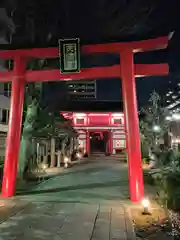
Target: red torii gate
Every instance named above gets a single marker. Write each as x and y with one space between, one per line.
126 70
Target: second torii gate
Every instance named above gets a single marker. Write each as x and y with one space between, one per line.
126 70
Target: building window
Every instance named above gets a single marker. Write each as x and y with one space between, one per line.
4 116
80 121
7 89
117 121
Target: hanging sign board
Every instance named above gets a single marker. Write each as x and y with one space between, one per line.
69 50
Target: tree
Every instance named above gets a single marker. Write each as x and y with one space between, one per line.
153 124
39 114
30 115
37 119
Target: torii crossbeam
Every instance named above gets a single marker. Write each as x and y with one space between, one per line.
127 71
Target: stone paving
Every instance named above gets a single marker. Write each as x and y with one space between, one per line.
83 203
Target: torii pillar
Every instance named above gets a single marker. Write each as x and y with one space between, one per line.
136 184
14 128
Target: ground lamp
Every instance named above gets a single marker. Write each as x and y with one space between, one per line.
66 160
44 166
78 155
146 204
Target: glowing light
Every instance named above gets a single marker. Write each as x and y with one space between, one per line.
145 203
66 160
79 155
176 116
117 114
44 166
168 118
79 115
98 114
156 128
176 140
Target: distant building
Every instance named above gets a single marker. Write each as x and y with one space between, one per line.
6 30
5 90
81 90
99 132
171 101
171 98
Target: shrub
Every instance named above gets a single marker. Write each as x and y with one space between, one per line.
168 186
144 150
145 160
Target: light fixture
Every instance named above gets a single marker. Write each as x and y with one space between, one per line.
117 114
145 203
175 140
78 115
176 116
156 128
79 155
168 118
44 166
66 160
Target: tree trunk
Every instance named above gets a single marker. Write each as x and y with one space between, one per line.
26 150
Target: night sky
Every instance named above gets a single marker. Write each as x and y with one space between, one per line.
103 21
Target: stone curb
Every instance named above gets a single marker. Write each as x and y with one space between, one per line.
131 235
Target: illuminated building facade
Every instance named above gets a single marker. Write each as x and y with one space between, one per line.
171 101
104 123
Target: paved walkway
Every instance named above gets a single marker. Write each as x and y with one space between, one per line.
83 203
